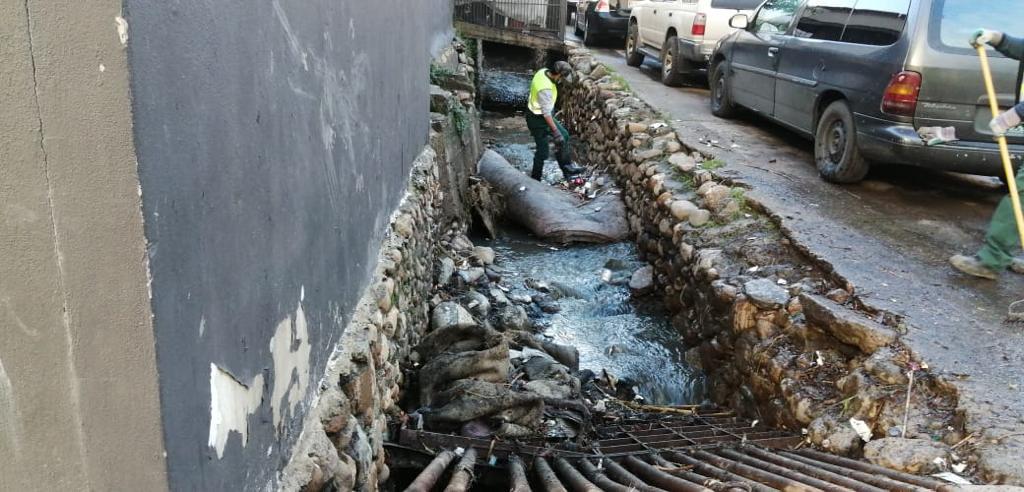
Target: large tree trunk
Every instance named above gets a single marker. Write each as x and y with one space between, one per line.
552 213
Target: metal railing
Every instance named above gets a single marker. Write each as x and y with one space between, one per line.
545 18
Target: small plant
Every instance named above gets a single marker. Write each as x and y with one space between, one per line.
740 196
713 164
438 73
460 118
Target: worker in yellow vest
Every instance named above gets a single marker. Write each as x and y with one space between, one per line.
540 119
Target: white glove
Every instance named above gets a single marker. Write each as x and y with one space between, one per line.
985 36
1004 122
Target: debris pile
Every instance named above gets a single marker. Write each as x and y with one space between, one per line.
481 370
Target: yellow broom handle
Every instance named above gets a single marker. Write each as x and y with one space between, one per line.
1004 150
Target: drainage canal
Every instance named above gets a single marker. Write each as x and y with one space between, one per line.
629 336
546 367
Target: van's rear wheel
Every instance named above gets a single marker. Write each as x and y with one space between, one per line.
588 38
721 101
634 57
835 146
673 66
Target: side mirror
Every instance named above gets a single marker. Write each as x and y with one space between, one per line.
739 21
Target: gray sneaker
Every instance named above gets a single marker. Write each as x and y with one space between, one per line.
971 265
1017 266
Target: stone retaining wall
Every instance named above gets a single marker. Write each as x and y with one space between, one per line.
779 338
341 447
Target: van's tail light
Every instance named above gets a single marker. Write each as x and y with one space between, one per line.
700 24
603 6
900 97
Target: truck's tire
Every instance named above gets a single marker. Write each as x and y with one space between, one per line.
673 66
721 100
836 153
634 57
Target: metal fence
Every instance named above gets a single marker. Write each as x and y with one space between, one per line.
536 17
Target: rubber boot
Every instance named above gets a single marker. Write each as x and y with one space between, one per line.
571 170
1017 266
971 265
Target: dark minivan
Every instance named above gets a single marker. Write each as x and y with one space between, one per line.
862 77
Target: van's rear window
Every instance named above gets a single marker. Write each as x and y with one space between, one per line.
735 4
957 19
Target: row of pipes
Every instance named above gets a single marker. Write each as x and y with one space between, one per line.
741 469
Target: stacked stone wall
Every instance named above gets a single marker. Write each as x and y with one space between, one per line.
780 338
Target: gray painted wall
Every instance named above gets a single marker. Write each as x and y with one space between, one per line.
274 140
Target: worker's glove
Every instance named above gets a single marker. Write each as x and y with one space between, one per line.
1004 122
985 36
559 139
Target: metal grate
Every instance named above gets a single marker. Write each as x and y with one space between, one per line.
535 17
716 452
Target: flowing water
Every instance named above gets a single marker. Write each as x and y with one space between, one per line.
631 338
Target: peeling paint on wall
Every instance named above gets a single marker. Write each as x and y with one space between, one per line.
290 348
9 440
231 404
122 29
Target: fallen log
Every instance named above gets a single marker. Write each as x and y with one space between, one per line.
552 213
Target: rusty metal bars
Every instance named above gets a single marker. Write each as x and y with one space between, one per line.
536 17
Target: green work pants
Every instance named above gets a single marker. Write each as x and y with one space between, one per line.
542 136
1002 243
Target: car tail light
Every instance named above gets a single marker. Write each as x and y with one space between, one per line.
700 23
602 6
900 97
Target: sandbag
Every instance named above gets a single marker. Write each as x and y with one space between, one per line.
469 399
491 365
552 213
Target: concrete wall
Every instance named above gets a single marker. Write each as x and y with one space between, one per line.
78 385
275 139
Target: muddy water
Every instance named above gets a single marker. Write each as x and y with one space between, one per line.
631 338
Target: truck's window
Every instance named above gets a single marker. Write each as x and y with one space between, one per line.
735 4
953 21
824 19
877 22
775 16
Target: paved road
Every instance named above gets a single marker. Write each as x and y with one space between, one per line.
890 237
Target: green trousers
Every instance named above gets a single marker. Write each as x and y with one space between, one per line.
542 137
1002 243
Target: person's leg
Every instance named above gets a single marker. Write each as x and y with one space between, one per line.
1002 243
564 155
541 136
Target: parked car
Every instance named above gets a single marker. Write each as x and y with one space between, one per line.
861 77
598 20
682 34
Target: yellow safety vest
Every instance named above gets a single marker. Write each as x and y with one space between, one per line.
541 82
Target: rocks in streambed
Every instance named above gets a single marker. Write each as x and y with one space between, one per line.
449 314
484 255
642 281
511 318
